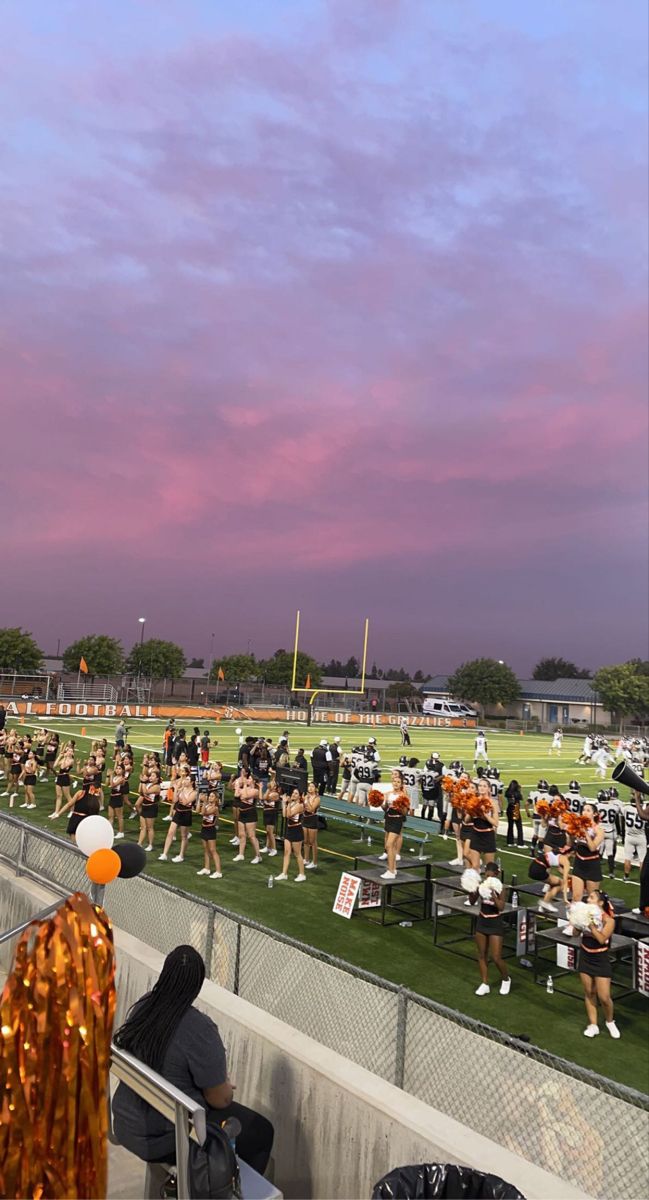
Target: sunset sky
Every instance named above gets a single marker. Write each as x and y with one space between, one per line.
337 304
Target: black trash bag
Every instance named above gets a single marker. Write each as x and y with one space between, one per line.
442 1179
213 1167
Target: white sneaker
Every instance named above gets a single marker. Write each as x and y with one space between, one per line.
455 862
281 877
203 871
613 1029
31 806
272 853
178 858
300 878
238 858
505 987
389 875
254 861
118 835
382 857
445 837
162 858
216 875
133 816
545 906
234 841
591 1031
264 850
398 858
309 866
468 903
25 805
4 793
148 850
483 990
167 818
569 932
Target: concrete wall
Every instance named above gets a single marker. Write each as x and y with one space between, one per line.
338 1127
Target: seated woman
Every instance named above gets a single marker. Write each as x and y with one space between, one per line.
166 1032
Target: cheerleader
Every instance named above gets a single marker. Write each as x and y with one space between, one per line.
595 966
84 803
116 801
554 848
270 805
489 930
394 822
293 835
146 808
17 759
482 840
185 796
28 778
310 826
539 872
62 768
209 826
249 794
587 869
239 784
51 753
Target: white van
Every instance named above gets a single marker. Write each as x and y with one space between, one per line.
448 708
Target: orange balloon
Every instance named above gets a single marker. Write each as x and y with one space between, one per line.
103 866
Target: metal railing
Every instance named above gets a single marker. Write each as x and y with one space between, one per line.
186 1115
540 1106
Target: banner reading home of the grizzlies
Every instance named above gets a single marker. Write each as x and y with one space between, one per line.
220 712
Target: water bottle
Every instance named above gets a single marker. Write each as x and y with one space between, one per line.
549 987
514 900
369 840
271 880
405 924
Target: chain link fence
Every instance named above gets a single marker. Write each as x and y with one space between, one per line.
590 1130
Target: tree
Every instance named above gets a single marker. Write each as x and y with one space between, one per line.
237 668
484 681
351 668
157 659
624 688
196 664
334 668
279 669
558 668
103 655
18 651
401 690
419 677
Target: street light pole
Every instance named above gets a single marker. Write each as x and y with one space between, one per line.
141 621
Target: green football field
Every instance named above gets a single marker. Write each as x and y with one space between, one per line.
404 955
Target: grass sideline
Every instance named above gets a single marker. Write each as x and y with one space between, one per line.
404 956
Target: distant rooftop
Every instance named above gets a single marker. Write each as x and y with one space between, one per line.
577 690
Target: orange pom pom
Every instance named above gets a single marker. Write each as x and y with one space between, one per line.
103 866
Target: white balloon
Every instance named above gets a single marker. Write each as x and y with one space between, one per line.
94 833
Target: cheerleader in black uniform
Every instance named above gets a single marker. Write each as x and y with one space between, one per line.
28 778
18 758
270 804
146 808
249 794
293 835
595 966
116 801
62 768
84 803
185 796
395 818
544 858
587 869
51 753
482 841
209 826
556 841
310 824
489 931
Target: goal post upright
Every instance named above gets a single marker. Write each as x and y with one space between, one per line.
313 692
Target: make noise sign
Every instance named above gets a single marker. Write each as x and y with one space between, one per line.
346 894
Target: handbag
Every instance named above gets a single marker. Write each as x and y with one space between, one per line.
213 1168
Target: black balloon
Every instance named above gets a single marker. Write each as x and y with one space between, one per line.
132 859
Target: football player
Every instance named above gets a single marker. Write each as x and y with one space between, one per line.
433 795
411 780
602 758
480 748
612 822
557 742
495 783
574 797
541 792
635 835
587 751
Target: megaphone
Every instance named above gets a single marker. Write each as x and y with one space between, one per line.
622 773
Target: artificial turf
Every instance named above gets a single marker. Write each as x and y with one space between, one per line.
403 955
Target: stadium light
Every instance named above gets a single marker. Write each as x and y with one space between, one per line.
141 621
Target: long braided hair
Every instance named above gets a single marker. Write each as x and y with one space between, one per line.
151 1021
